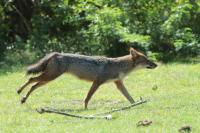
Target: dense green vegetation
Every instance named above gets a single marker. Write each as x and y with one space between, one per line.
174 104
161 28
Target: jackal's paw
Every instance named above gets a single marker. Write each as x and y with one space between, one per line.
86 108
18 91
23 100
132 101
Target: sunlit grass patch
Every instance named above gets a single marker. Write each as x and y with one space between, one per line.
175 102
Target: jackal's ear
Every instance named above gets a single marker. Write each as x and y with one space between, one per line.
133 52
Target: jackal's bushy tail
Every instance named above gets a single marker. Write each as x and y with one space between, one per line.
40 65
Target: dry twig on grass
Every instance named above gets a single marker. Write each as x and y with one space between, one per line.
43 110
141 101
144 123
185 128
94 116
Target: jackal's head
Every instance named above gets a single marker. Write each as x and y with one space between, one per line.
140 60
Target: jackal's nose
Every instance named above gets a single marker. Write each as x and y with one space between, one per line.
152 65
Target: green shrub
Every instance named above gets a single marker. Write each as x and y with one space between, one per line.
164 28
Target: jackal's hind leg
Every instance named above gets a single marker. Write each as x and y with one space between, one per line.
31 80
23 100
42 79
123 90
92 90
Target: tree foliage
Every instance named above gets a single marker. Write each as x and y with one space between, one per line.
32 28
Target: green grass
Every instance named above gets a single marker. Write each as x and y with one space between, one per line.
175 103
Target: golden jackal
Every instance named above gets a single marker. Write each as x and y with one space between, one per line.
92 68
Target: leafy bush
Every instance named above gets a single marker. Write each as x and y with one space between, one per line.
20 57
161 28
178 31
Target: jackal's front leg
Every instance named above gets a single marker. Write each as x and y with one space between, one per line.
123 90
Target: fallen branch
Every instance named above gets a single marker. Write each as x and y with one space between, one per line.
94 116
43 110
123 108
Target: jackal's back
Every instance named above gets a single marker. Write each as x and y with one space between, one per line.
85 67
95 67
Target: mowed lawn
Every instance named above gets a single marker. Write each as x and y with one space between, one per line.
173 91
